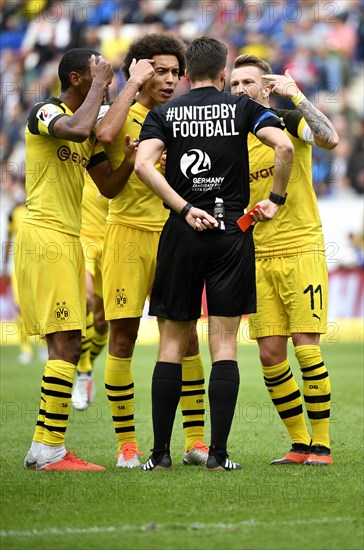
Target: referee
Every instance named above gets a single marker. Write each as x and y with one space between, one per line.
205 134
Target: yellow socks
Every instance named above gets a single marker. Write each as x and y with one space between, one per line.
84 364
119 386
287 399
56 399
39 428
317 392
192 401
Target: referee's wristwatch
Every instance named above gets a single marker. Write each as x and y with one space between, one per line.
277 199
185 210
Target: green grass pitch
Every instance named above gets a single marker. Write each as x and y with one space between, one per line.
260 507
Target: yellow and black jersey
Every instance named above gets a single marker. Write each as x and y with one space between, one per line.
55 169
16 216
94 211
297 226
136 205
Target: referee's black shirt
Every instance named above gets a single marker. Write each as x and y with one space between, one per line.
205 134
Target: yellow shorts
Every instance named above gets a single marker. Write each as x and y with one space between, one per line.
50 272
128 268
92 251
291 296
14 288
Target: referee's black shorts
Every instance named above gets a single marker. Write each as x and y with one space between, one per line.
187 259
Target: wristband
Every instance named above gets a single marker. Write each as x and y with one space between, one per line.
297 99
277 199
185 210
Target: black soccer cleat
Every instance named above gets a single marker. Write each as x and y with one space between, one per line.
151 464
226 464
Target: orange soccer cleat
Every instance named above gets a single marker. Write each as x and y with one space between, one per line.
70 462
297 455
319 456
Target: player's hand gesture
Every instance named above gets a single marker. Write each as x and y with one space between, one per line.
130 149
282 85
266 211
101 71
141 71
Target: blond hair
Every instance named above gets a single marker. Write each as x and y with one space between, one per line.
249 59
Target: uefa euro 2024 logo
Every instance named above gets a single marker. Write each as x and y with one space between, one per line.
195 162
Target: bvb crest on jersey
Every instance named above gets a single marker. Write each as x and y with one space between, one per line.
121 299
62 313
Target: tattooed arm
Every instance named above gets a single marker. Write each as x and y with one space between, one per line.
323 131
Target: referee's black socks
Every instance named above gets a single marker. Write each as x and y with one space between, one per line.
223 393
166 393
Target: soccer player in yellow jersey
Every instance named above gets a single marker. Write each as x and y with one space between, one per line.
94 212
49 263
15 218
135 221
291 270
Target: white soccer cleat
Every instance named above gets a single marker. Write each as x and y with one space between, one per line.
42 354
25 357
30 460
197 455
128 456
84 390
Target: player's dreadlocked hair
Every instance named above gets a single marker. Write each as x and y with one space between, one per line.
78 60
155 44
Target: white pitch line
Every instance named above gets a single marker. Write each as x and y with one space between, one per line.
170 526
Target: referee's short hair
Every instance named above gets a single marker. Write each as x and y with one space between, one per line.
74 60
250 59
205 57
155 44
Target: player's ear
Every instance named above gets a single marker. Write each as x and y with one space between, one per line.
74 78
266 90
223 79
187 77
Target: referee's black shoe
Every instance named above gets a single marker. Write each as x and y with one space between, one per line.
164 463
225 465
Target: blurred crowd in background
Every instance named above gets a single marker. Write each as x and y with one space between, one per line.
320 42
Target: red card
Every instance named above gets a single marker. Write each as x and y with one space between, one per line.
246 221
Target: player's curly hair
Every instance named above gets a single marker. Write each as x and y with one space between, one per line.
76 59
155 44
